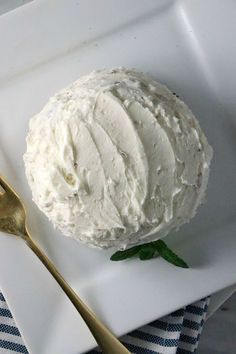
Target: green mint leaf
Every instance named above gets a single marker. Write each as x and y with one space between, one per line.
166 253
146 252
121 255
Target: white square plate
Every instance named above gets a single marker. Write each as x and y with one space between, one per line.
188 45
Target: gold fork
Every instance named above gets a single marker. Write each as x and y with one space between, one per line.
13 221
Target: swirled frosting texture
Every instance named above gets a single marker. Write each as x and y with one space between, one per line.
115 159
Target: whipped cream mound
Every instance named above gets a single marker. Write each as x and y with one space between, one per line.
115 159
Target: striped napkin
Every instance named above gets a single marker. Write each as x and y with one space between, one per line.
177 333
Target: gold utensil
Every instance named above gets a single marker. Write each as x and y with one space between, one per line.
13 221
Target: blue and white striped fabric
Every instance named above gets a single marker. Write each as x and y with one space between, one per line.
177 333
10 338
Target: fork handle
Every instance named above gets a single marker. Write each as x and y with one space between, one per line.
105 339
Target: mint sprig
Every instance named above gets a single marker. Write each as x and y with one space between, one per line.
149 251
166 253
146 252
122 255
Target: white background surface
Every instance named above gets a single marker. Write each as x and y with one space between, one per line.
8 5
45 46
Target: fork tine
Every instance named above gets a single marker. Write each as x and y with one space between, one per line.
8 189
5 185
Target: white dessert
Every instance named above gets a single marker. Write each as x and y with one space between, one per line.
116 159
